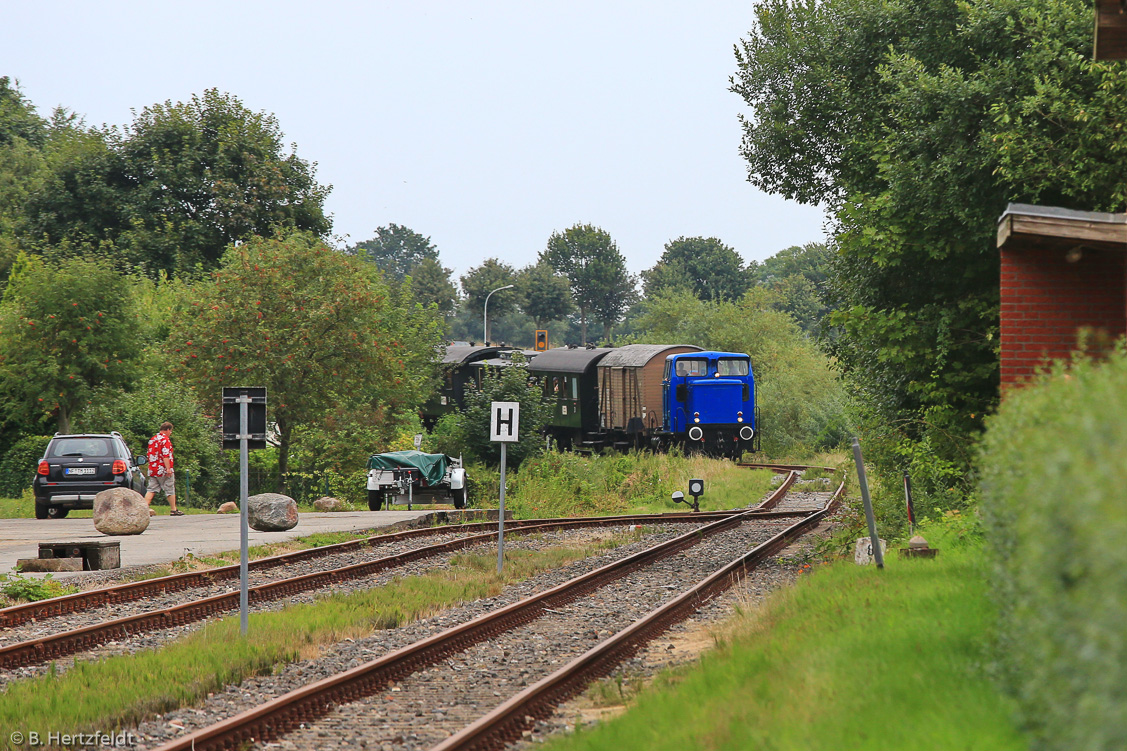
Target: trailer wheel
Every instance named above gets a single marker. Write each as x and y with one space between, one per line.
375 500
459 498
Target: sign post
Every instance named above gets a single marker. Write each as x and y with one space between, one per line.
244 428
504 421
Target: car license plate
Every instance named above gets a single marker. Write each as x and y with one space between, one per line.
80 471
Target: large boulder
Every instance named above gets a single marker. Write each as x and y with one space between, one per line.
120 511
271 512
328 503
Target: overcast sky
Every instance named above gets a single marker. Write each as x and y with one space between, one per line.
485 126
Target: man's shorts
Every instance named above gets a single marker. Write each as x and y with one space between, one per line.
165 484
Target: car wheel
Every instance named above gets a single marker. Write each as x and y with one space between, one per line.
375 500
40 511
56 512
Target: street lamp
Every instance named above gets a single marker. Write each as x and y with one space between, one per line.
485 317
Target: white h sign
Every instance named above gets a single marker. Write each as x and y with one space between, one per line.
504 420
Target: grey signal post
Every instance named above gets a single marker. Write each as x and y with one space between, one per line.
504 424
245 399
874 538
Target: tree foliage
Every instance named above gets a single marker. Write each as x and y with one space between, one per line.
177 186
915 123
431 285
66 329
601 286
479 282
396 250
314 327
799 274
18 118
705 266
544 294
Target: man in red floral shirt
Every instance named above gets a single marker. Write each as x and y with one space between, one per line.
161 476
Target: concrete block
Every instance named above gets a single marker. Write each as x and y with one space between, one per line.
49 564
863 552
94 555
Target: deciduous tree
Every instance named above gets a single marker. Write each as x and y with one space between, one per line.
706 266
66 329
178 185
480 281
431 285
397 250
314 327
601 286
545 295
915 123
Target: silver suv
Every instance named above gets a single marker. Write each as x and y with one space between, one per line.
75 468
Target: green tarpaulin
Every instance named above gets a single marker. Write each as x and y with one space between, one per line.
432 467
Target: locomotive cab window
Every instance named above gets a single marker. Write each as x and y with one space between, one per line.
730 367
692 367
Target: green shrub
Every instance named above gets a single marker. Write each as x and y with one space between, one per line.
1053 470
18 467
138 414
466 432
23 589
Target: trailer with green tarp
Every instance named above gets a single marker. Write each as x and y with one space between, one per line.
415 477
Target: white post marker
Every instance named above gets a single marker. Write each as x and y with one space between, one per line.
504 424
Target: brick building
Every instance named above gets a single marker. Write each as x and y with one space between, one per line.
1062 271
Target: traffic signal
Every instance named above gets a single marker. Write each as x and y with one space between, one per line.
541 340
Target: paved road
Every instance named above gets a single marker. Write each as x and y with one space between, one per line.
169 538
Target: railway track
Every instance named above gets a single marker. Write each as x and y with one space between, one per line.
118 594
423 672
34 645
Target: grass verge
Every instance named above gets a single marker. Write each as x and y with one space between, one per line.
850 658
565 484
119 691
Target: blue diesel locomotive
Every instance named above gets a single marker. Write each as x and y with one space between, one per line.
709 403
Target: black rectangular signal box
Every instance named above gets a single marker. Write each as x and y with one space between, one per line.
256 416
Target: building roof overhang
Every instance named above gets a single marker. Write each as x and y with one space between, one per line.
1027 227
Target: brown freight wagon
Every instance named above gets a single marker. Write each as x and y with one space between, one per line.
630 390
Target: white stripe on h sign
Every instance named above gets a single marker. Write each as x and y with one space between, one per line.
504 420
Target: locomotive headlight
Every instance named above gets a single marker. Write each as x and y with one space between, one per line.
739 419
696 419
